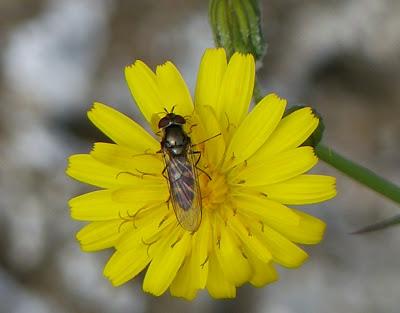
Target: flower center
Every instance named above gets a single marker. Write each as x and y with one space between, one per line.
214 191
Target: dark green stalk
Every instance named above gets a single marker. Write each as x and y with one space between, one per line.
359 173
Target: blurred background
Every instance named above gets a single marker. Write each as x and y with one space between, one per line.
57 57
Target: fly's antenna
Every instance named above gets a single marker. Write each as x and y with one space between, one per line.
168 112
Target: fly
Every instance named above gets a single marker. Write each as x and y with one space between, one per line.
181 171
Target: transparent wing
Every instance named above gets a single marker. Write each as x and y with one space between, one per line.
184 190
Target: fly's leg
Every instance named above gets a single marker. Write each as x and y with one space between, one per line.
199 153
159 133
168 200
163 173
191 128
147 152
199 143
127 173
197 162
140 174
169 188
166 177
188 118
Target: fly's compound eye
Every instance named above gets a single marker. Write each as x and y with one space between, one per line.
164 122
179 120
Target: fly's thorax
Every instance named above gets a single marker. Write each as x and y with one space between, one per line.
175 140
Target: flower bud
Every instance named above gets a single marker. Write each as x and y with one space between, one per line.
236 25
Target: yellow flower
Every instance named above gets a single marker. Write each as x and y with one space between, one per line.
256 166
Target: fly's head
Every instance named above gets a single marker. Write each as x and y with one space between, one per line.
171 119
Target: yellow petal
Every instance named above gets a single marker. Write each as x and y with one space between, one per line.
167 260
100 235
309 231
143 85
86 169
233 262
283 166
125 265
141 194
144 165
173 90
211 71
201 242
254 130
94 206
183 285
100 205
264 210
214 147
192 276
263 272
236 91
291 132
121 129
251 242
217 285
303 189
283 250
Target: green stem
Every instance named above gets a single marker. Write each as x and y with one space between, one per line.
359 173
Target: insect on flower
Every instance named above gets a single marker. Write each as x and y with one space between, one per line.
181 171
242 224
